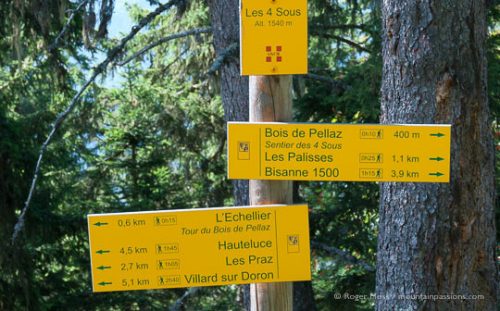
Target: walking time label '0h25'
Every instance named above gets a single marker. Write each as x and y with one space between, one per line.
199 247
332 152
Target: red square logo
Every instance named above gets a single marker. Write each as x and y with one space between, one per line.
278 59
268 48
278 48
268 59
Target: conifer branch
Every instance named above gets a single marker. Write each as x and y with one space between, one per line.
112 55
182 34
177 306
55 43
344 255
219 61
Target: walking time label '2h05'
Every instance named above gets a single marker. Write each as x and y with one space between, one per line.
332 152
199 247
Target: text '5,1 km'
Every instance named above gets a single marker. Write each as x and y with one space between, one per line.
367 152
199 247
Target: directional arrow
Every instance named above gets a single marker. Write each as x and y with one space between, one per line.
437 174
105 283
104 267
436 159
102 251
99 224
437 134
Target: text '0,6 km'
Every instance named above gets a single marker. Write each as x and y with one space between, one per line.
200 247
374 152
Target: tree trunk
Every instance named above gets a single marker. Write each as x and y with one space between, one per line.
438 239
234 88
7 221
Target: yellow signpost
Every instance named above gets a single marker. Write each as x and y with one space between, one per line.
273 37
287 151
200 247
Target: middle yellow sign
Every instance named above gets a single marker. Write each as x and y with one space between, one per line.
354 152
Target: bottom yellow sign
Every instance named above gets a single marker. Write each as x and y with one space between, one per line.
201 247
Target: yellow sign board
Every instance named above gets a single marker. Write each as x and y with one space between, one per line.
273 38
200 247
287 151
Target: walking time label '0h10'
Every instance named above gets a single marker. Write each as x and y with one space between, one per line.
199 247
331 152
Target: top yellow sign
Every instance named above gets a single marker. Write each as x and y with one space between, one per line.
273 37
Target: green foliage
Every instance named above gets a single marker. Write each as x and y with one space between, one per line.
344 215
493 54
158 147
156 141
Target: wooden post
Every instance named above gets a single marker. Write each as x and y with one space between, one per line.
271 101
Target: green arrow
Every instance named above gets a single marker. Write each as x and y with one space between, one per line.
437 134
105 283
100 224
104 267
437 174
436 159
102 251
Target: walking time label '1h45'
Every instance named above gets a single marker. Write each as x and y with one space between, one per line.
199 247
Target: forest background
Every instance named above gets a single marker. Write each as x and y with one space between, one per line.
149 134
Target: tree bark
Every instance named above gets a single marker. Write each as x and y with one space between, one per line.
7 221
234 88
438 239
